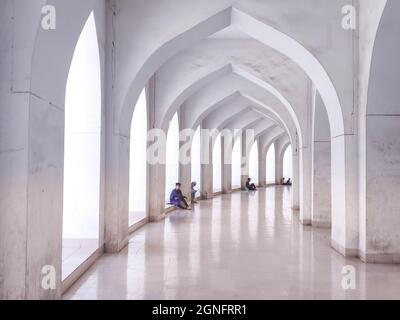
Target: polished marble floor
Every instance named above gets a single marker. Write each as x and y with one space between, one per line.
238 246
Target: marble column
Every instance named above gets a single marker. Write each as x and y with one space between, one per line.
206 186
321 167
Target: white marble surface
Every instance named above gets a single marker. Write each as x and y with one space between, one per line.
238 246
136 216
75 252
321 204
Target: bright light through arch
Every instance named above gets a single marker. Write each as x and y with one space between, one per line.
287 163
195 159
137 162
172 157
216 163
271 164
253 163
236 163
82 143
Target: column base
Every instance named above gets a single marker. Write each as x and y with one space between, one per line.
305 222
384 258
347 252
227 192
115 247
157 217
206 196
321 224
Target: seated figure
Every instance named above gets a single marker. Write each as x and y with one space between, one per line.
250 186
193 192
288 182
177 198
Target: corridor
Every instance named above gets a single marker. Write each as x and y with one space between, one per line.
235 246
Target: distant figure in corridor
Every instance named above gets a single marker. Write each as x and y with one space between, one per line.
250 186
287 183
177 198
193 192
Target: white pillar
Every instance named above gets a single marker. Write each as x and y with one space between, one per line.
262 167
157 192
344 199
305 185
245 160
380 145
278 164
227 146
321 167
206 186
296 179
156 171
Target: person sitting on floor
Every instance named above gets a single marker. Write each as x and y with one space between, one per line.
250 186
193 192
177 198
288 182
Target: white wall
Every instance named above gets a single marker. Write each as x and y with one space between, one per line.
82 139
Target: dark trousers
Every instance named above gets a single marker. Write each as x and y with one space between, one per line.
184 202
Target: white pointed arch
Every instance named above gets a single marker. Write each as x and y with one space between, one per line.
256 29
82 149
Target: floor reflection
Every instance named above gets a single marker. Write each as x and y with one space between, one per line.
239 246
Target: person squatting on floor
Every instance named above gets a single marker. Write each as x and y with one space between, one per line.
286 183
193 192
250 186
178 199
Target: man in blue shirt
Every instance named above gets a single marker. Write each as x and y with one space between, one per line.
177 198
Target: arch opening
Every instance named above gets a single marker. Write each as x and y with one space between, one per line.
138 163
270 163
82 152
196 159
288 46
217 165
236 164
172 157
253 164
287 163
